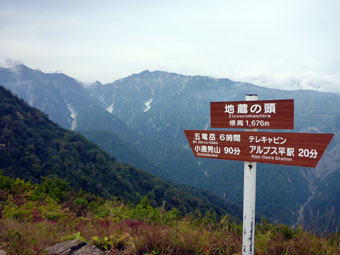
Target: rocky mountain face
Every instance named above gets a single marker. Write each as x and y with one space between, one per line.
69 104
155 107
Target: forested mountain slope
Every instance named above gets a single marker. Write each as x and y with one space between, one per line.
32 147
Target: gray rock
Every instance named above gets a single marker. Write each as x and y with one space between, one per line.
65 248
73 247
2 252
88 250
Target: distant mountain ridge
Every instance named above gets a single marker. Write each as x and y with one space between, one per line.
157 106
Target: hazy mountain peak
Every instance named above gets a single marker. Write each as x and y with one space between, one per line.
19 69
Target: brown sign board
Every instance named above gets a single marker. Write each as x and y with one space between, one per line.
265 114
296 149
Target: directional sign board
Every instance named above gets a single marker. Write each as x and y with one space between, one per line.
267 114
296 149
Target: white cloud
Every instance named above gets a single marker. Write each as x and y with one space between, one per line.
282 43
308 80
12 62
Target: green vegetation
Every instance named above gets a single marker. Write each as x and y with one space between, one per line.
35 216
33 147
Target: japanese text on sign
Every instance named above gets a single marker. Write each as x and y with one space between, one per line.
267 114
255 108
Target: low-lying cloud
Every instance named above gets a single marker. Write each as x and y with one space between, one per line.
305 81
9 62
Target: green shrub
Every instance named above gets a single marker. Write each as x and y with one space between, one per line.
117 241
54 187
13 211
73 236
6 182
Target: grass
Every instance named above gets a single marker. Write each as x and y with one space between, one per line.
33 219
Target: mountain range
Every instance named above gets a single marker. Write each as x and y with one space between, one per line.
33 147
140 120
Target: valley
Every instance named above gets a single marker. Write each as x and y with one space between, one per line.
147 113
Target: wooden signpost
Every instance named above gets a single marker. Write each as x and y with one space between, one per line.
268 114
296 149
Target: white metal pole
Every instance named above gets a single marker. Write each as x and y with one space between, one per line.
249 197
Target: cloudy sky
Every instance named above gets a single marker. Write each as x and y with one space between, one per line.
286 44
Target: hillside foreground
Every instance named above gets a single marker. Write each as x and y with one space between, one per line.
36 216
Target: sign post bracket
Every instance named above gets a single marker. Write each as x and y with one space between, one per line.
249 198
